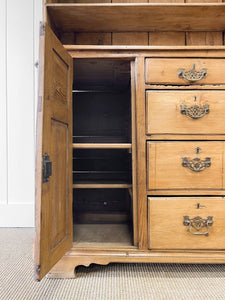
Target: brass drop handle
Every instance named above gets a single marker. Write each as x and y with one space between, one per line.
196 164
198 223
192 75
194 111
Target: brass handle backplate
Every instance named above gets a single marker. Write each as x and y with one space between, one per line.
198 223
196 164
194 111
192 75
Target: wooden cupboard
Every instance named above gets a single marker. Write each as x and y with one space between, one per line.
130 135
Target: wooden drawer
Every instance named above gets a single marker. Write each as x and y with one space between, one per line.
185 112
166 229
167 71
169 165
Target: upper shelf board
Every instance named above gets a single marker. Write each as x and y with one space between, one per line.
138 17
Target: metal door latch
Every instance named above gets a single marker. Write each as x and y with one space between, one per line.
46 168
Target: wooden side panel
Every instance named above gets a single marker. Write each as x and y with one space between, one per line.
130 38
165 165
54 137
164 114
93 38
166 228
134 155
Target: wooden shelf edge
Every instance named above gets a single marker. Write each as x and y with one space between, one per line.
116 17
102 186
144 48
133 4
102 146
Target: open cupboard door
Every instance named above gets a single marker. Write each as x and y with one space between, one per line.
54 154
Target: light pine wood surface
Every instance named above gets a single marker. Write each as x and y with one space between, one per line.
165 71
126 17
165 169
54 136
166 228
157 39
163 109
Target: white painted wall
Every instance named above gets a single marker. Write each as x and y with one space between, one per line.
19 31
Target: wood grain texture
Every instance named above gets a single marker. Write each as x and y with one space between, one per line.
165 71
78 1
197 137
123 21
93 38
167 38
141 154
186 192
86 1
133 191
204 38
54 137
75 257
164 112
67 38
166 229
102 146
204 1
126 17
165 169
130 52
130 38
187 87
166 1
129 1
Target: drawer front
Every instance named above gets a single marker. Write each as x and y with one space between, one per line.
185 165
185 112
168 229
185 71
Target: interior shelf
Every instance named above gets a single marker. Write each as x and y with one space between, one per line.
102 145
102 185
138 17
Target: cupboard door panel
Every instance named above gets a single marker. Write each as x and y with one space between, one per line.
54 138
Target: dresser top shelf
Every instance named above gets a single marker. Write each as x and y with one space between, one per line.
138 17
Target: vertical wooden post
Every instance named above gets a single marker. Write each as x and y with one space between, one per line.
141 153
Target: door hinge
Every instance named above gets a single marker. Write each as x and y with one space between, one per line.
37 269
42 29
46 168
